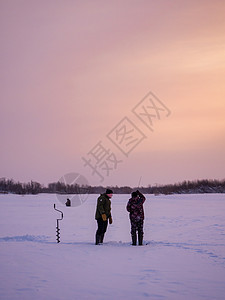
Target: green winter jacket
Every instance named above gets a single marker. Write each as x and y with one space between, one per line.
103 206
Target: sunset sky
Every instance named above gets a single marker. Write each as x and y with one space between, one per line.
71 71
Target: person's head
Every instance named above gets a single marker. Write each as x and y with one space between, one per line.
109 193
134 194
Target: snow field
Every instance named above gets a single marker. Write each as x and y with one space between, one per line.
184 257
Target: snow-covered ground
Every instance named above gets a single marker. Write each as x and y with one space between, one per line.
184 257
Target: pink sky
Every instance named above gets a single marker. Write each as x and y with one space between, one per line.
72 70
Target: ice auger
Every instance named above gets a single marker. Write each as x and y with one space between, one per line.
57 225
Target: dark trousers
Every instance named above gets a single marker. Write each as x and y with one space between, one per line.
102 227
137 226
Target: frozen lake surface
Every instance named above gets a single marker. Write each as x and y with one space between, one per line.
184 257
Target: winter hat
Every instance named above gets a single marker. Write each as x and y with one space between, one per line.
108 191
134 194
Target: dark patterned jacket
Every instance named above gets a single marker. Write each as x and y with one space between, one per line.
135 207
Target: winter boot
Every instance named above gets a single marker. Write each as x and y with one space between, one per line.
140 239
101 238
134 240
97 239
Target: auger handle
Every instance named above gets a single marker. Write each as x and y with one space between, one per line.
60 212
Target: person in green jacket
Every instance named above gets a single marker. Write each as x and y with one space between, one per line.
103 215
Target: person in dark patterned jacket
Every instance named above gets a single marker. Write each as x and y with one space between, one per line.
136 210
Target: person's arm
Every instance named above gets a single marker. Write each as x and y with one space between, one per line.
110 219
101 205
101 208
128 206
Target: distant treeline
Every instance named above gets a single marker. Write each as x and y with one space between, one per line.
185 187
